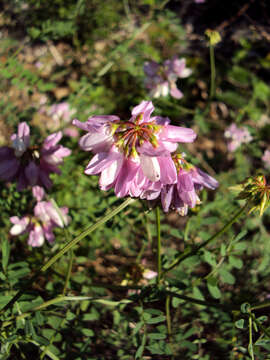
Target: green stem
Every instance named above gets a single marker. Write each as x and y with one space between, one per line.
213 72
158 245
65 249
69 269
168 316
250 346
194 251
260 306
189 299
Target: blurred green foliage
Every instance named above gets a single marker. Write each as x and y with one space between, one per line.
95 51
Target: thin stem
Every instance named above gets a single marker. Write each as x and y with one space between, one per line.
250 346
194 251
260 306
200 302
168 316
65 249
69 269
213 72
158 245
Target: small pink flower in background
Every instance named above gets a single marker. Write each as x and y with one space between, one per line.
61 114
266 159
161 79
31 165
236 136
149 274
40 225
130 154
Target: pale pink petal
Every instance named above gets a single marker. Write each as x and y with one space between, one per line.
96 142
168 174
109 175
175 92
167 197
41 211
47 230
146 108
36 236
52 140
125 177
177 134
20 225
38 192
150 167
101 161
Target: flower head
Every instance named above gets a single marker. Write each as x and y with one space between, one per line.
40 225
183 194
256 191
130 153
236 136
31 165
161 79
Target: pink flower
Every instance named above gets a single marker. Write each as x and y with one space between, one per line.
40 226
31 165
61 113
184 193
38 192
266 159
236 136
161 79
131 153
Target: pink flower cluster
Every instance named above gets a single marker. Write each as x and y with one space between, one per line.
31 165
161 79
134 158
61 114
40 225
236 136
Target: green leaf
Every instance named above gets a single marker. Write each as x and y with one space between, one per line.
223 250
139 352
155 349
235 262
262 342
88 332
226 276
261 91
157 336
5 253
213 288
156 320
240 324
240 236
245 308
209 258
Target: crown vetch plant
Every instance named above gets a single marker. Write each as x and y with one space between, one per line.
161 78
236 136
31 165
131 153
40 225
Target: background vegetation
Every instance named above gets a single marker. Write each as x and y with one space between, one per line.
91 55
